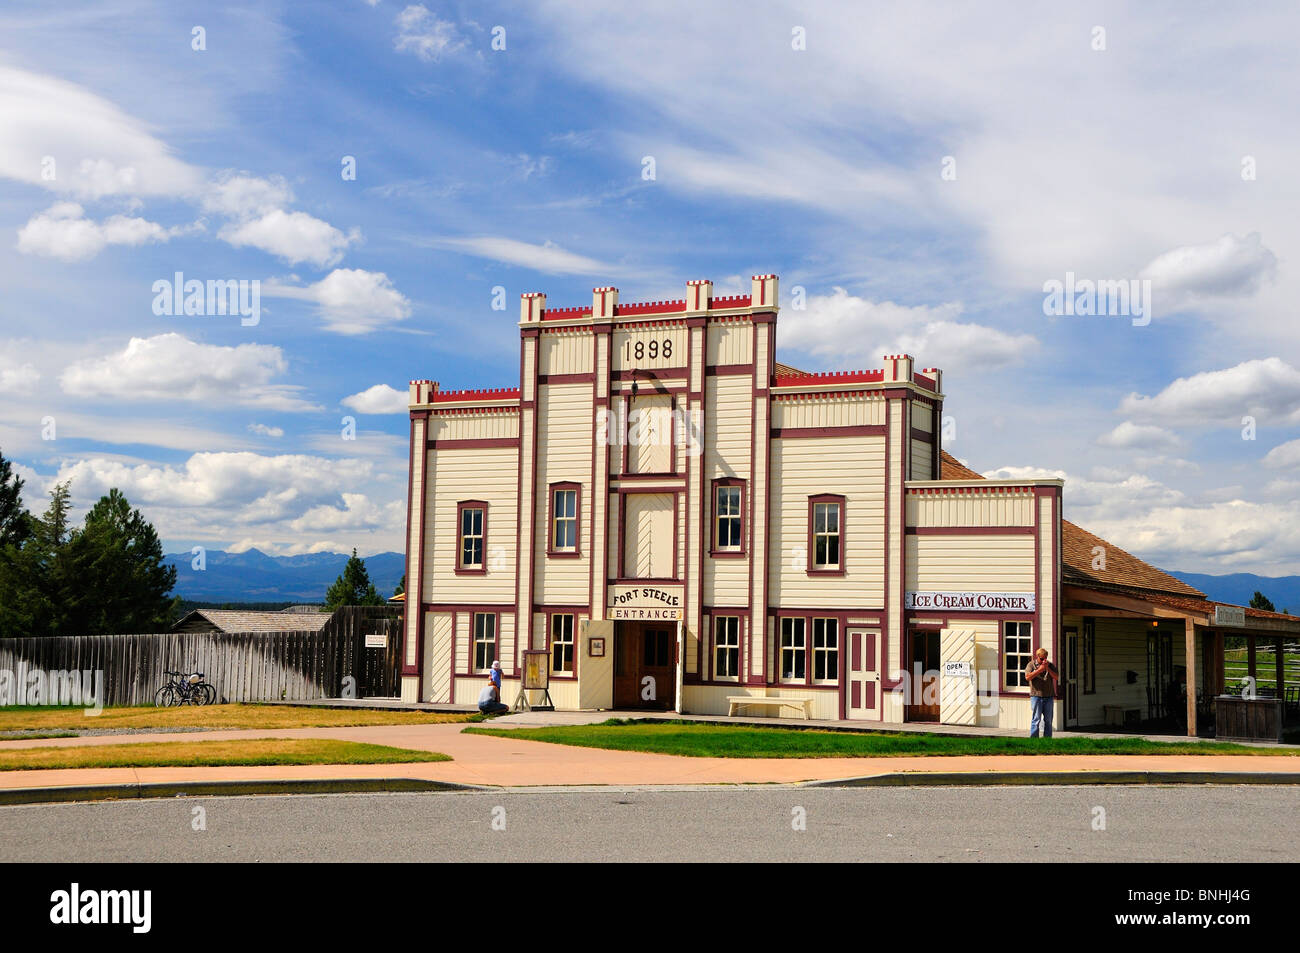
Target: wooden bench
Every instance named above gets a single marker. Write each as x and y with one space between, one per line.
802 703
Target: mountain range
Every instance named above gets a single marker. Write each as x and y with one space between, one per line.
253 576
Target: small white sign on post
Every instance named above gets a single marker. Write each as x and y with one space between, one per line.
376 640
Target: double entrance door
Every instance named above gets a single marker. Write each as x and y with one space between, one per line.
645 665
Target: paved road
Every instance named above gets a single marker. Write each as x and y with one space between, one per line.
1142 823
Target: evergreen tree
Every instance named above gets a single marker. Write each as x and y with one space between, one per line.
15 522
35 579
401 586
1261 601
353 587
119 580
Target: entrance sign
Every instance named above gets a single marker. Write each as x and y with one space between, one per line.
650 603
972 601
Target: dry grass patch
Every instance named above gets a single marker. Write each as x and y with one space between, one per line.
213 716
254 751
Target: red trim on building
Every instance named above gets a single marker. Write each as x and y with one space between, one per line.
460 542
551 490
743 551
862 430
837 498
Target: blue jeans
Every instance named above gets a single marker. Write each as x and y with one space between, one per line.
1041 707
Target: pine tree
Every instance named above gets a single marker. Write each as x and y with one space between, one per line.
1261 601
15 522
401 586
353 587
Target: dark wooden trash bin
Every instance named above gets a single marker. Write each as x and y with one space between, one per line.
1248 719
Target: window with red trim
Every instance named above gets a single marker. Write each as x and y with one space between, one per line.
471 537
563 519
728 517
826 534
726 648
562 627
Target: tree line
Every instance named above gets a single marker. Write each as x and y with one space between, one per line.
106 575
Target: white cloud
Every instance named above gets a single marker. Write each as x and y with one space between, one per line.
1284 456
1230 266
97 149
1129 435
350 300
292 236
547 258
358 512
17 378
170 367
62 231
1267 389
265 430
422 33
379 399
842 329
241 195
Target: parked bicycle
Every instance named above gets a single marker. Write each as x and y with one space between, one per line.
185 688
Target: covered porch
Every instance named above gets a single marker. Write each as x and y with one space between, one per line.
1148 660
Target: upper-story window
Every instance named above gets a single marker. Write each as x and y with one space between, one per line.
728 517
826 534
471 555
563 537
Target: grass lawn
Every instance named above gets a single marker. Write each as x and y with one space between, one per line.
212 716
701 740
212 753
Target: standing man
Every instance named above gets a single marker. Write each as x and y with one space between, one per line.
1041 675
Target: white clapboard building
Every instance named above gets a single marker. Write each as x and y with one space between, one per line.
679 521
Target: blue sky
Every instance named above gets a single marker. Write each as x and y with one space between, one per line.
1163 148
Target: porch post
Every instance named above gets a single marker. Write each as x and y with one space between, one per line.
1189 651
1281 673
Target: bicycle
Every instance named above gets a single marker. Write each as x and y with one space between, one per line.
185 688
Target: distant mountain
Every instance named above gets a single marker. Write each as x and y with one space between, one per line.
253 576
1238 587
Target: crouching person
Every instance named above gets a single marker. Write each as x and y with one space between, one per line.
489 700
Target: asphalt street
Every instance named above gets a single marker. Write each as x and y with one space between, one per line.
1086 823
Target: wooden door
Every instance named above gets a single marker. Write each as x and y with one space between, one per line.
923 675
645 651
864 674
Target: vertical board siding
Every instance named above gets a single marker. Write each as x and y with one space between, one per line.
242 666
486 474
563 456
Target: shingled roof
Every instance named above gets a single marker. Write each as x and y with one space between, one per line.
236 620
1122 570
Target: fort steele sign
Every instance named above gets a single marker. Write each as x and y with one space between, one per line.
653 603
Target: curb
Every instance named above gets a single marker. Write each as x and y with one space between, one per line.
1057 778
119 792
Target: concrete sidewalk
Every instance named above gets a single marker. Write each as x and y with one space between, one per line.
480 760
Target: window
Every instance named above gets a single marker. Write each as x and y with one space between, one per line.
1089 656
564 519
728 517
485 640
726 646
562 643
826 534
1017 652
826 650
472 535
793 650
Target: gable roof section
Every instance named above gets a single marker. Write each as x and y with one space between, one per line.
236 620
1123 569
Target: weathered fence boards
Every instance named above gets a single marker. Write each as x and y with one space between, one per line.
242 666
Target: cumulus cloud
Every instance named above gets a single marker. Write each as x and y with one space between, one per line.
357 512
62 231
241 195
1267 389
841 328
266 431
1231 266
349 300
1284 456
422 33
169 367
380 399
1129 435
293 236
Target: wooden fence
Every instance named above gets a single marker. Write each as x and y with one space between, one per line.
242 666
